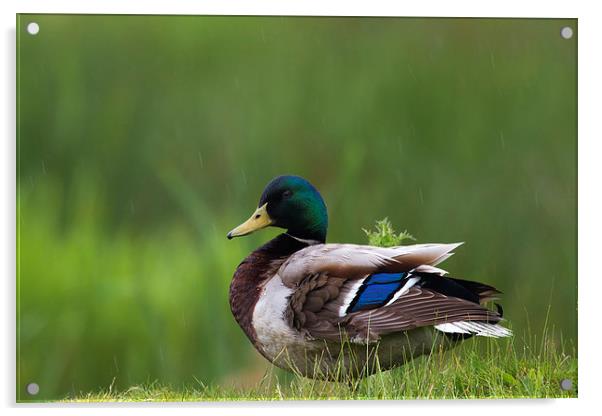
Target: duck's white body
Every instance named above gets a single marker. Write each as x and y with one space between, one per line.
274 333
317 358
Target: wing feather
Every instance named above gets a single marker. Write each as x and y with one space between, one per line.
325 277
356 261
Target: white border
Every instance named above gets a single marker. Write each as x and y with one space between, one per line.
517 8
590 228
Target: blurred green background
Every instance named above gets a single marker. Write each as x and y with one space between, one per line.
142 140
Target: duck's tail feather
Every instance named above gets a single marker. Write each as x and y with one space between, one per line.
485 292
473 291
469 328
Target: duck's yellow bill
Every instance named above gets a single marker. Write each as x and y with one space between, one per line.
260 219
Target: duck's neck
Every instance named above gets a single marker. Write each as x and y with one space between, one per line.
313 229
306 241
255 270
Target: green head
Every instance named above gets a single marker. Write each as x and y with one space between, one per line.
292 203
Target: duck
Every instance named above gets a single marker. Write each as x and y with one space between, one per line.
344 311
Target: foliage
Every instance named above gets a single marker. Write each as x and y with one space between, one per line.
385 236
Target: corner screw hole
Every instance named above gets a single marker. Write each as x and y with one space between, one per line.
33 28
566 32
566 384
33 389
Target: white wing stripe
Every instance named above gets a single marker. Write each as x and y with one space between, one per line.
404 289
425 268
350 296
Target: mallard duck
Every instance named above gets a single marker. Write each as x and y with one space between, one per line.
332 311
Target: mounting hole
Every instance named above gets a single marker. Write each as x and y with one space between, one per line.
33 389
33 28
566 384
566 32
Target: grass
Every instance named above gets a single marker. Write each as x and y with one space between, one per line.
479 368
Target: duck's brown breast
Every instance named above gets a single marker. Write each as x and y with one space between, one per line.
252 274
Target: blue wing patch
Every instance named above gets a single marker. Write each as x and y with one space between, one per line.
376 290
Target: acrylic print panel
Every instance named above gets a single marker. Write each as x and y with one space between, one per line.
143 141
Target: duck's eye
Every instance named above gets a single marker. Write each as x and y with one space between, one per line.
286 194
